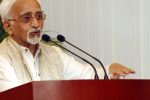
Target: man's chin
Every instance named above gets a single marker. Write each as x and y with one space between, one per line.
33 41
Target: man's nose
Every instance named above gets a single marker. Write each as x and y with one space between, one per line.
35 22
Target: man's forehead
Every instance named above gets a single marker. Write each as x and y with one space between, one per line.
22 3
28 11
22 7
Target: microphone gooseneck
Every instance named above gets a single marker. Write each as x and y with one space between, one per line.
47 38
61 38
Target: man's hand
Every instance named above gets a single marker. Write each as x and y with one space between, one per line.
116 70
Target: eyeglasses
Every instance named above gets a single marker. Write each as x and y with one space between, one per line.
27 17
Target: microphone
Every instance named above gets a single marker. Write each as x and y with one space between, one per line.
61 38
47 38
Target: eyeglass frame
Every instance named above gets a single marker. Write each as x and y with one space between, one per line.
20 18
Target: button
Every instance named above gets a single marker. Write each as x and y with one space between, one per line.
26 50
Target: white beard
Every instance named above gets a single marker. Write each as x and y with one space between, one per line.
33 40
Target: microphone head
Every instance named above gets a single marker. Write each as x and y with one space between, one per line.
61 38
46 38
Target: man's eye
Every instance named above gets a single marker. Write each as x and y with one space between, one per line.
39 16
26 18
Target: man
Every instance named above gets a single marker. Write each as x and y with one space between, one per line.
24 58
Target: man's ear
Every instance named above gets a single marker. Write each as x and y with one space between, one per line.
8 27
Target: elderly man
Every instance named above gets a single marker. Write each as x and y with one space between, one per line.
24 58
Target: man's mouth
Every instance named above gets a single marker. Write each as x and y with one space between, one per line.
35 33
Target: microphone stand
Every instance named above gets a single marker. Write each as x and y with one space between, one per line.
62 39
96 77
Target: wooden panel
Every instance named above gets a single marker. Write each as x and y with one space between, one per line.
93 90
81 90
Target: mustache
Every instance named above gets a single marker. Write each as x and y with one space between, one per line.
34 30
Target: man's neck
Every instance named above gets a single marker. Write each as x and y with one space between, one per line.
33 48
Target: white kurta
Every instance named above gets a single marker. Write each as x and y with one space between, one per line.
71 69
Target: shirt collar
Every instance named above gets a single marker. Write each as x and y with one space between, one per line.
25 49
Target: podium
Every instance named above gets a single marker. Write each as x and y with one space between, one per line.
80 90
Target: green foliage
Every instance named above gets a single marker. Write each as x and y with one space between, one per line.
3 34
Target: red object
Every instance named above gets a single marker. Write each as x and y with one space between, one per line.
80 90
